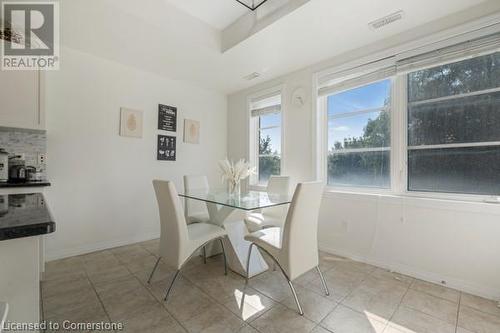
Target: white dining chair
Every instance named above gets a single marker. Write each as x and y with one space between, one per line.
178 240
272 216
195 211
4 310
294 247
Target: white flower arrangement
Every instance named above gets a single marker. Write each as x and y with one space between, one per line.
234 173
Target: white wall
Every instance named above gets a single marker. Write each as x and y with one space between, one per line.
101 193
436 240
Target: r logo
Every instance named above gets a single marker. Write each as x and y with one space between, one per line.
36 27
36 23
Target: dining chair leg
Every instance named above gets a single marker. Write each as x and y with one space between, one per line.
154 270
295 297
197 251
287 279
224 255
205 255
171 285
323 282
248 262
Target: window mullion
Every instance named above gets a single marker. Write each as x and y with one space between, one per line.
359 112
395 131
399 140
360 150
403 96
457 96
456 145
324 139
268 127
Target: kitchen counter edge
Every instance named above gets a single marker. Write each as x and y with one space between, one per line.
26 184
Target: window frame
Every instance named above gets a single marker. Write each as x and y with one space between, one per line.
399 145
253 153
324 118
485 198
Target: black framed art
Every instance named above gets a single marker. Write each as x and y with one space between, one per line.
167 118
167 148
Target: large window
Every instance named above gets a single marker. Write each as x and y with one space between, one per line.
266 136
359 136
415 122
454 127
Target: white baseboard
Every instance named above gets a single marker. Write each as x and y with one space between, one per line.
461 285
89 248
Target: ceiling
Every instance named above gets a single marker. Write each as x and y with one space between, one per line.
217 13
181 39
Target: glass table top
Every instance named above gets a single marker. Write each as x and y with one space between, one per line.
249 200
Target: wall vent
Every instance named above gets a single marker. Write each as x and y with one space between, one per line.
252 76
382 22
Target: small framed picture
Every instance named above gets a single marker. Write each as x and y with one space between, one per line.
191 131
130 123
167 118
167 150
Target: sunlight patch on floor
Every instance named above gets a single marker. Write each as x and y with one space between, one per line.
375 321
249 305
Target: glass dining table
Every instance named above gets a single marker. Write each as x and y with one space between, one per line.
229 211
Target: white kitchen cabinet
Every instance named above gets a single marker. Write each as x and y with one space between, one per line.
41 242
20 279
21 99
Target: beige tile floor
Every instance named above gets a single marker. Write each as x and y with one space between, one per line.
111 286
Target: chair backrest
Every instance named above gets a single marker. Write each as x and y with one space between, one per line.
174 233
278 185
300 233
195 183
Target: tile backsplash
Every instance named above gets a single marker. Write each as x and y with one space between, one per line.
23 141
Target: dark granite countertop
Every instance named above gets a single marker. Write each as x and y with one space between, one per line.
24 215
26 184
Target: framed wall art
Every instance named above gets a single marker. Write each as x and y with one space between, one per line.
167 118
131 123
167 149
191 131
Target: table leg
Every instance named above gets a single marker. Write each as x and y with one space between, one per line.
236 246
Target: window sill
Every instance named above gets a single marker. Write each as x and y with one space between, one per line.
359 190
481 199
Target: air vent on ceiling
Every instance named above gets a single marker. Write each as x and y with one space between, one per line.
377 24
252 76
